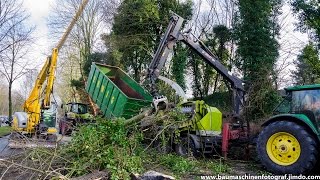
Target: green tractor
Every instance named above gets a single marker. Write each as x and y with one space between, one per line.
75 114
289 141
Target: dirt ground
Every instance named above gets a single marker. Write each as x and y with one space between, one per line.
236 167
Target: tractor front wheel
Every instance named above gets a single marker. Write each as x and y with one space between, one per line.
286 147
63 127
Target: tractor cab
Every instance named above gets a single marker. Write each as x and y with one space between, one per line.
74 110
301 100
75 114
77 108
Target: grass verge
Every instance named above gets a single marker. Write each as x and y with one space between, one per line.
5 130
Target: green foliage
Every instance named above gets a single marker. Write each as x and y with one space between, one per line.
78 84
179 65
308 66
134 32
308 13
184 166
196 64
105 145
204 75
183 8
221 35
263 104
256 31
95 57
113 55
5 130
217 167
177 164
118 148
137 29
221 100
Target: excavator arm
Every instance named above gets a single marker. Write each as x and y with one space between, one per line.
37 99
32 105
173 35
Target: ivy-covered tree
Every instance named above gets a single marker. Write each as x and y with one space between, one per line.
205 78
134 33
309 15
179 64
221 35
308 66
256 32
137 30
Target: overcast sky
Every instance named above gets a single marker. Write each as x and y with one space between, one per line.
291 41
39 11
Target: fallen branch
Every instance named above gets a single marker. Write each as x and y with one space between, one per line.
22 166
138 117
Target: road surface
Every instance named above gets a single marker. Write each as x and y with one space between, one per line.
6 151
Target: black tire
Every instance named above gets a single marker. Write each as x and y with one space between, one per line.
52 138
162 148
308 148
186 147
63 128
60 127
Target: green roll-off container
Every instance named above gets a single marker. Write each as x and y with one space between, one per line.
116 94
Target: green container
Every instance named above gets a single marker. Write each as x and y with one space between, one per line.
116 94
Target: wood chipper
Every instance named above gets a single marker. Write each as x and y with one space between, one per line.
204 131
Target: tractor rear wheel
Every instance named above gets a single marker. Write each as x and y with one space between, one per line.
286 147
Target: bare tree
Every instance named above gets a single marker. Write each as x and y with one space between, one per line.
9 9
212 23
17 99
3 95
15 44
81 43
28 80
109 9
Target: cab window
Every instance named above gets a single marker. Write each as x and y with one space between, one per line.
307 100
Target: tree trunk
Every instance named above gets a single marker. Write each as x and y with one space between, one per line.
216 83
10 101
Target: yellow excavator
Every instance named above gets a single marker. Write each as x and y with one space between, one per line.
36 126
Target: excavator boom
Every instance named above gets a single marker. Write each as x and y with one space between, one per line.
37 105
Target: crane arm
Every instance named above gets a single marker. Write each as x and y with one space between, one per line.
236 83
72 23
54 56
174 35
32 106
166 46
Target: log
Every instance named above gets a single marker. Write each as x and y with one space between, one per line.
139 117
